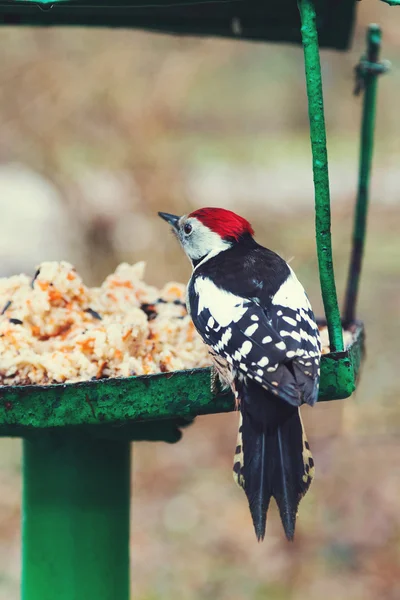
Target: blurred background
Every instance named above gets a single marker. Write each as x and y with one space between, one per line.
100 130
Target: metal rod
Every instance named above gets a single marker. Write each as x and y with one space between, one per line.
368 75
320 169
75 525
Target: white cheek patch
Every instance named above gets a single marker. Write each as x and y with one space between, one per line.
203 242
224 307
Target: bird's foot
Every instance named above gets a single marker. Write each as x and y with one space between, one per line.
218 386
215 383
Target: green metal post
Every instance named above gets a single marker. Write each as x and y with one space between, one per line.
320 169
368 71
75 526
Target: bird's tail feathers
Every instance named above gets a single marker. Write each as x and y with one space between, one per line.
272 458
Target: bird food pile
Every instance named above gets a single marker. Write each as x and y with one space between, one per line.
54 329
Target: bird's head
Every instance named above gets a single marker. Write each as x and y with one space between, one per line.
207 231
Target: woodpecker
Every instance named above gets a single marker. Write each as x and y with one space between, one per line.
255 317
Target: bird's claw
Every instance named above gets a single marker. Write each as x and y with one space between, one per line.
216 387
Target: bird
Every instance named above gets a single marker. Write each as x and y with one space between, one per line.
254 315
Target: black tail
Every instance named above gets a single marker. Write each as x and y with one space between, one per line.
272 458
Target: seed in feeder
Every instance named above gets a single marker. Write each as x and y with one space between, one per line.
142 329
36 275
149 310
6 307
93 313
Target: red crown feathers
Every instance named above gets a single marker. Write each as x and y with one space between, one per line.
225 223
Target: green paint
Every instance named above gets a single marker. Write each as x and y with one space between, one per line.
263 20
369 69
75 523
392 2
320 170
120 408
341 370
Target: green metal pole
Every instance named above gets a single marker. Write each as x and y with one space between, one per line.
320 169
369 77
75 525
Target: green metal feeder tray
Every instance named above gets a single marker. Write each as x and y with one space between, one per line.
114 404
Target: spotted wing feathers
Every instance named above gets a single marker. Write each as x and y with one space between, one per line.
275 346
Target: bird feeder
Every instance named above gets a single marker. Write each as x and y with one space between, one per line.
76 460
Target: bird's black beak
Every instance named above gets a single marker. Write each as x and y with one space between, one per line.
171 219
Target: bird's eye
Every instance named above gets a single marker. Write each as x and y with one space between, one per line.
187 228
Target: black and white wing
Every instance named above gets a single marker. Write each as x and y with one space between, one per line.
275 344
